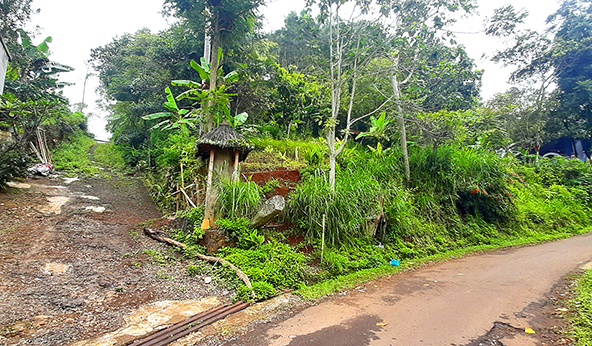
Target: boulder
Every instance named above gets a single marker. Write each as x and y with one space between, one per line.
268 211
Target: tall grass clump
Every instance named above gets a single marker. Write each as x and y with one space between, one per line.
238 198
347 209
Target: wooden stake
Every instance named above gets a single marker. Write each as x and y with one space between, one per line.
323 239
235 171
209 202
188 199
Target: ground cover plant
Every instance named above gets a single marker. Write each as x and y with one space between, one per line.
73 154
580 318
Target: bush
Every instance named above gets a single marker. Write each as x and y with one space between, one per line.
193 232
239 230
347 209
274 263
13 163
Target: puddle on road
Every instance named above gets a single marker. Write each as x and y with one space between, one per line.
57 268
70 180
147 318
96 209
18 185
54 206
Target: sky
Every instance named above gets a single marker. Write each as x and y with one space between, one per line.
78 26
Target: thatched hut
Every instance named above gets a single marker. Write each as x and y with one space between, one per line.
224 148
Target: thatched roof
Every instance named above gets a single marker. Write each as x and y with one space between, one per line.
223 136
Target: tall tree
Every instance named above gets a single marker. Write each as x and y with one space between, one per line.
573 63
225 21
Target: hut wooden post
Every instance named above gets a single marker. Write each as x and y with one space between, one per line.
235 171
209 212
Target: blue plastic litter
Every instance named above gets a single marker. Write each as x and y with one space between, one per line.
394 263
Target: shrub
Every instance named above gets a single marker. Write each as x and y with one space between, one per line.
13 163
239 230
347 209
274 263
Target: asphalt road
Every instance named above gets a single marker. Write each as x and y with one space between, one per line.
450 303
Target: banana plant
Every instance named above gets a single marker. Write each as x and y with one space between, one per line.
175 118
378 127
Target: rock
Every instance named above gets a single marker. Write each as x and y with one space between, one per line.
268 211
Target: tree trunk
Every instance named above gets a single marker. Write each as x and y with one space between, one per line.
213 68
401 120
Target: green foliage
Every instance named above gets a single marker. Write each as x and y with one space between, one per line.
581 305
262 290
237 198
192 232
13 163
239 230
109 155
274 263
358 255
314 157
346 210
72 154
157 257
288 147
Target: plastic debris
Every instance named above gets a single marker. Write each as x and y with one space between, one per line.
381 324
394 262
208 279
528 331
43 169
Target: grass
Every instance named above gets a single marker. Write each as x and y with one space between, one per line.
72 155
288 147
108 155
351 280
581 305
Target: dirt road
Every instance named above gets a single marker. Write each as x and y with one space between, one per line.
451 303
72 265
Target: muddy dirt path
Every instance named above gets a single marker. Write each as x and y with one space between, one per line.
495 295
72 265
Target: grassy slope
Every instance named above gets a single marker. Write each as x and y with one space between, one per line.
581 305
72 155
365 275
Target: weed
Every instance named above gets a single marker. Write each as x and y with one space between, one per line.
109 155
239 230
157 257
161 274
72 155
581 305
